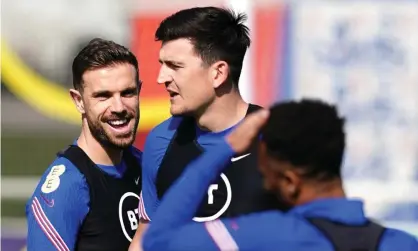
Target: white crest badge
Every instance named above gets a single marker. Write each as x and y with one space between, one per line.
52 180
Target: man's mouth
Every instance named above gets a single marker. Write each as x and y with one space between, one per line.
172 93
118 123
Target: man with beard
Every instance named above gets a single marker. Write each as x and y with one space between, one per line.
88 197
201 62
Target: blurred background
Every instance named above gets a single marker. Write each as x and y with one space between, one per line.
361 55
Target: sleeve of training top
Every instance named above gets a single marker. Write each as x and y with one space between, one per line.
153 153
394 239
171 228
138 156
57 208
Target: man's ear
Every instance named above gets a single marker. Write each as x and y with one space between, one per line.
220 73
78 100
293 184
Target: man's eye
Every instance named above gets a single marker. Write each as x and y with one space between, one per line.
174 66
102 96
129 93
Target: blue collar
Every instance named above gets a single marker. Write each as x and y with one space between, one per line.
337 209
116 171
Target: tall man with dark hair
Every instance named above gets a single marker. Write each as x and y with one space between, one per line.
88 197
201 58
300 155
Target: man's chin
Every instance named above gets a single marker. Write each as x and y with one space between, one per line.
179 111
175 112
124 143
121 142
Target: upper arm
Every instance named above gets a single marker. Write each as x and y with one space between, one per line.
154 150
399 240
245 232
57 208
189 237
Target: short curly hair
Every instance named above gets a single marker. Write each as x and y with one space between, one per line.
309 134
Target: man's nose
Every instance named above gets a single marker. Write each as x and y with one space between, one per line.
163 76
117 105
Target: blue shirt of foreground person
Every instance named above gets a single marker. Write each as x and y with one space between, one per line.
300 156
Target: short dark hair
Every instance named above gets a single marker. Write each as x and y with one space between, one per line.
216 33
99 53
309 134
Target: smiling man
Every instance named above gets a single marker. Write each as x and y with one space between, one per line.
201 58
88 197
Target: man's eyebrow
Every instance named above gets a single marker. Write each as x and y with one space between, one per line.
131 89
170 62
101 93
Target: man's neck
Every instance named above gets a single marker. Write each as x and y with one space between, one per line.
223 113
323 190
98 153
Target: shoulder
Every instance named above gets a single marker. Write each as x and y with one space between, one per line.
156 144
264 223
163 132
60 175
61 186
167 127
269 228
136 153
401 239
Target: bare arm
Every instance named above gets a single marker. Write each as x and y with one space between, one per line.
136 244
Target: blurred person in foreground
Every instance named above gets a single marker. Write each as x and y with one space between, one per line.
300 155
88 197
201 58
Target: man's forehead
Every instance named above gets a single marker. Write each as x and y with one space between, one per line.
108 78
177 50
116 70
93 89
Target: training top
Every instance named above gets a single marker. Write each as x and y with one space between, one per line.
175 143
172 229
70 198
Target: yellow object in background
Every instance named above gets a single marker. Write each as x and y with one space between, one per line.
54 101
